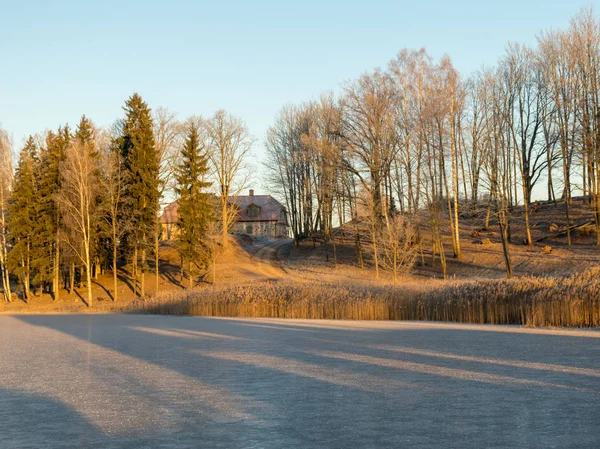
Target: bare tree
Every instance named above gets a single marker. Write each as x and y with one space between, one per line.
455 102
498 170
322 142
584 51
6 176
369 143
560 76
77 199
291 164
400 246
229 142
112 179
167 132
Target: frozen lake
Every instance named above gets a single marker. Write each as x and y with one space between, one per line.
126 381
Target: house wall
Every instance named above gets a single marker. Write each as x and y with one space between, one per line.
170 231
270 229
260 228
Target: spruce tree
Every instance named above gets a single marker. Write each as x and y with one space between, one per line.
23 217
48 257
141 164
194 209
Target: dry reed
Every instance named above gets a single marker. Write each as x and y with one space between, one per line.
530 301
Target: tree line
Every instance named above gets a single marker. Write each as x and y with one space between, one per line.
79 202
402 147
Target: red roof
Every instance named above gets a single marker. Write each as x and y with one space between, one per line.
269 208
170 214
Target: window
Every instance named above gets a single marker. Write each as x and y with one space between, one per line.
253 210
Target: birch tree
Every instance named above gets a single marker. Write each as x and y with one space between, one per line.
113 182
78 196
6 179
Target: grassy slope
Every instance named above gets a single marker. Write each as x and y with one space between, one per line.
249 264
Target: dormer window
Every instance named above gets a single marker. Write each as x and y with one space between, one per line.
253 211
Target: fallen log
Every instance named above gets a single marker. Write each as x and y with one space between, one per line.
564 232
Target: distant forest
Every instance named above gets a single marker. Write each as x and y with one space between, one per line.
399 151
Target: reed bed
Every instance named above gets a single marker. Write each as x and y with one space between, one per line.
529 301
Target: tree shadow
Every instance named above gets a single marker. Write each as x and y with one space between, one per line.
168 271
107 291
125 279
328 375
22 411
81 297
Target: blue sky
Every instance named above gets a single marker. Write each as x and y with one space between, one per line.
59 60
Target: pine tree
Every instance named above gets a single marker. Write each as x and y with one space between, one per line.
23 217
141 165
194 209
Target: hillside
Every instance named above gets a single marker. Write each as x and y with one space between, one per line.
250 260
482 248
244 261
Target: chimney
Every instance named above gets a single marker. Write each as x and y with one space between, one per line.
251 192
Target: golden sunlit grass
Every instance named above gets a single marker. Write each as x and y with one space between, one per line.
531 301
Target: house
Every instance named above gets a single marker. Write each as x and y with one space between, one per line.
260 215
168 221
257 215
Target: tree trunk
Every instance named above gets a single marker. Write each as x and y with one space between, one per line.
156 259
3 249
442 255
26 281
88 275
72 278
395 262
597 204
528 239
334 252
224 218
505 247
181 274
134 270
374 243
114 268
214 265
453 222
56 273
567 198
143 274
28 272
453 148
526 195
551 196
359 258
3 264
